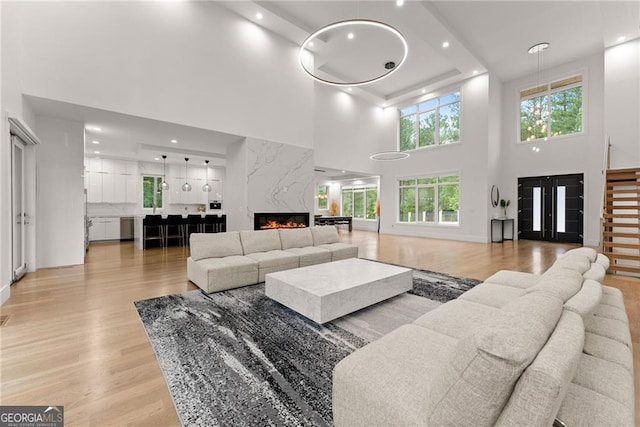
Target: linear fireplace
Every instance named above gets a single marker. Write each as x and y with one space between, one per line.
267 220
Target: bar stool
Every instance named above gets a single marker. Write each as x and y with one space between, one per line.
211 224
152 230
193 224
173 229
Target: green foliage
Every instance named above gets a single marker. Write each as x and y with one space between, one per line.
407 133
323 199
566 111
504 203
347 203
152 192
437 121
372 198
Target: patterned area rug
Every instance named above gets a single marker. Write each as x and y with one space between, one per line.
239 358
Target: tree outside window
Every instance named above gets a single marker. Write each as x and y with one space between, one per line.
551 110
322 196
432 122
359 202
152 192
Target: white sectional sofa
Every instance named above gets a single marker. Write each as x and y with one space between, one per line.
519 349
229 260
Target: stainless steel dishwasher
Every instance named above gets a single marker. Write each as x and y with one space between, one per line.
126 228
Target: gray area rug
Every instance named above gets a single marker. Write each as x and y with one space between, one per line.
237 358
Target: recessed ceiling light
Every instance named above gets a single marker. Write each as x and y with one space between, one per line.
475 72
95 142
445 44
156 158
94 128
349 89
621 39
310 44
343 171
174 141
399 3
424 91
96 152
259 15
350 36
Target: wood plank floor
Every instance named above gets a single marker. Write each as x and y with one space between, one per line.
74 338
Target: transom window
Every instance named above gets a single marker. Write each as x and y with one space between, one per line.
432 122
433 199
152 192
551 110
359 202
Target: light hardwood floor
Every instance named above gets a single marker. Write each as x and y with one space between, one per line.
73 336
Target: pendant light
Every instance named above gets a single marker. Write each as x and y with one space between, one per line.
165 185
186 186
206 187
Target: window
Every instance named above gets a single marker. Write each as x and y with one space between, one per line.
429 200
152 192
322 196
359 202
551 110
432 122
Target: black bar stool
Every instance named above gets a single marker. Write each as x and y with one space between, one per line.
152 230
173 229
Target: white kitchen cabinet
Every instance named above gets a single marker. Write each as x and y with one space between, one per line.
94 189
131 188
108 188
104 228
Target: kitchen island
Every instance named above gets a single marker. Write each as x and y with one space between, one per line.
165 230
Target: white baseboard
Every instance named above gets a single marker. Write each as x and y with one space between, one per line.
5 293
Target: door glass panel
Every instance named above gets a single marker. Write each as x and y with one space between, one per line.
18 216
561 209
537 208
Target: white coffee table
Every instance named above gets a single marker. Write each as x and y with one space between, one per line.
324 292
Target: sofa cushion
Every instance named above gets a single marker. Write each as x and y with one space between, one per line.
610 328
603 260
377 385
611 312
457 318
473 385
219 274
586 407
492 294
295 237
596 272
560 282
514 278
575 262
608 349
538 393
340 250
311 255
260 241
590 253
214 245
272 258
324 234
607 378
586 300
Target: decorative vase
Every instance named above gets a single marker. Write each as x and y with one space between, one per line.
504 212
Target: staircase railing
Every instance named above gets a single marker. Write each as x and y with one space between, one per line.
606 165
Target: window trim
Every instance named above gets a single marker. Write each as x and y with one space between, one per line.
436 198
549 81
435 96
161 208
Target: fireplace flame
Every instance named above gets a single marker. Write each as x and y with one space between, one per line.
278 224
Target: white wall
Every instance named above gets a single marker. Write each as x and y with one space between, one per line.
192 63
60 195
580 153
622 103
347 130
469 158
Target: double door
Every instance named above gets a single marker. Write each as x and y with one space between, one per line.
551 208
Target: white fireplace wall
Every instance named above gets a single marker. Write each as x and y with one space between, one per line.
273 177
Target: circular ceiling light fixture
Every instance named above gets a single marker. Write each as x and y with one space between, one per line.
539 47
350 26
389 155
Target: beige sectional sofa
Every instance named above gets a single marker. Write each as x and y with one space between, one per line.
519 349
229 260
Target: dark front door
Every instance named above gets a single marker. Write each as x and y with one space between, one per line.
551 208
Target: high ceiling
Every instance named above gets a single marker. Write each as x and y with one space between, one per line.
481 36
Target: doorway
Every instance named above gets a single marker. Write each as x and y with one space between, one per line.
18 215
551 208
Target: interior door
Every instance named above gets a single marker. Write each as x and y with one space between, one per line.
19 216
551 208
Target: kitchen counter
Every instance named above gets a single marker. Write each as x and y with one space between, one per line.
138 223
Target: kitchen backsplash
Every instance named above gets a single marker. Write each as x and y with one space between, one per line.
126 209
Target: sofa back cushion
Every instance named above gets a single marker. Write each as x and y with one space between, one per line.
603 260
575 262
475 384
560 282
260 241
324 234
584 303
214 245
295 237
587 252
596 272
537 396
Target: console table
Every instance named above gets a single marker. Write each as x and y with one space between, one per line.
501 221
334 220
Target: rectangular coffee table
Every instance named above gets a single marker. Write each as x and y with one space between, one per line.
324 292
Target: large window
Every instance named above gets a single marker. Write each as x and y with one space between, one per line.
359 202
434 199
432 122
152 192
322 196
551 110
